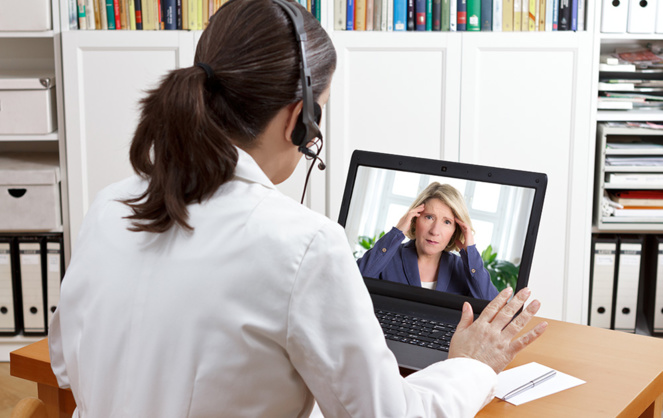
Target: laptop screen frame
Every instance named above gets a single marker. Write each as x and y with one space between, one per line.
472 172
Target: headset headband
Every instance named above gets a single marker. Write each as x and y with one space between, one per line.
306 128
308 116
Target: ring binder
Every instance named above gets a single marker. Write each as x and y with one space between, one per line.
32 285
628 281
602 278
9 320
54 268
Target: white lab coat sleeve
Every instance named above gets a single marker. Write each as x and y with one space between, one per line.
336 344
457 387
57 336
56 351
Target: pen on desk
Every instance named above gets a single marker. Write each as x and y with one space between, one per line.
530 385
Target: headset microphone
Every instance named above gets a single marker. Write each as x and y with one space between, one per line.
312 155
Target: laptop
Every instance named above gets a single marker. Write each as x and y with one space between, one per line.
505 207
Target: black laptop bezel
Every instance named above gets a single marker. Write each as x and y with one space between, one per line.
532 180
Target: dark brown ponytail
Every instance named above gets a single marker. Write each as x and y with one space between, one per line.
184 141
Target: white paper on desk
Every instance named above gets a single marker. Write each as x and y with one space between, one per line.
511 379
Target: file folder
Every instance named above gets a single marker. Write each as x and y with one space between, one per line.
614 15
641 16
602 279
653 285
8 292
54 269
628 282
32 285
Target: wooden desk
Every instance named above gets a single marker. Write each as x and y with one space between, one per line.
33 362
624 374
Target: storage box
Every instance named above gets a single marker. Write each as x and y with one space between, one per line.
25 15
30 192
27 104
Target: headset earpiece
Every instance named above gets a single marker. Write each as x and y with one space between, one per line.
301 132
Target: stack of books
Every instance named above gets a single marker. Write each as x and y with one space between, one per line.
639 203
631 81
459 15
150 14
634 179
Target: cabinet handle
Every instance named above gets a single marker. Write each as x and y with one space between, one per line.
17 192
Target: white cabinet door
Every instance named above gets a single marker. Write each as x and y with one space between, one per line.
525 104
394 93
106 73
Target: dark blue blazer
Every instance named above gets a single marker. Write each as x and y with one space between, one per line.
463 275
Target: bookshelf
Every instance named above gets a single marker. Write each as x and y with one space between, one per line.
37 52
609 129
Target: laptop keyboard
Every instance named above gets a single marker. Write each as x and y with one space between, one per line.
416 331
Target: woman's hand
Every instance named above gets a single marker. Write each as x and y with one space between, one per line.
467 233
406 220
489 338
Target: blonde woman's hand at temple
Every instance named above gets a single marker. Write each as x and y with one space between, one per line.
405 222
467 234
490 339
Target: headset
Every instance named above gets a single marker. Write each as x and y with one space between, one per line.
307 127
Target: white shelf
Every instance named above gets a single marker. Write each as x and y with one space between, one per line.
58 229
629 115
630 186
618 130
9 344
634 169
631 36
624 228
17 34
649 151
36 51
624 224
53 136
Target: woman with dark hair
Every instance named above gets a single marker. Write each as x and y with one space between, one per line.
196 289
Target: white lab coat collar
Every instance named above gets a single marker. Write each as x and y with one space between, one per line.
248 169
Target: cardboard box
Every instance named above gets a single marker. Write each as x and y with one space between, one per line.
25 15
27 104
30 192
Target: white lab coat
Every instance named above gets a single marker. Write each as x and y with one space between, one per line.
255 313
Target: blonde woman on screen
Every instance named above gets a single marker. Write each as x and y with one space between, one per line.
438 225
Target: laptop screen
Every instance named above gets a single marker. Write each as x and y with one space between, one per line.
504 207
